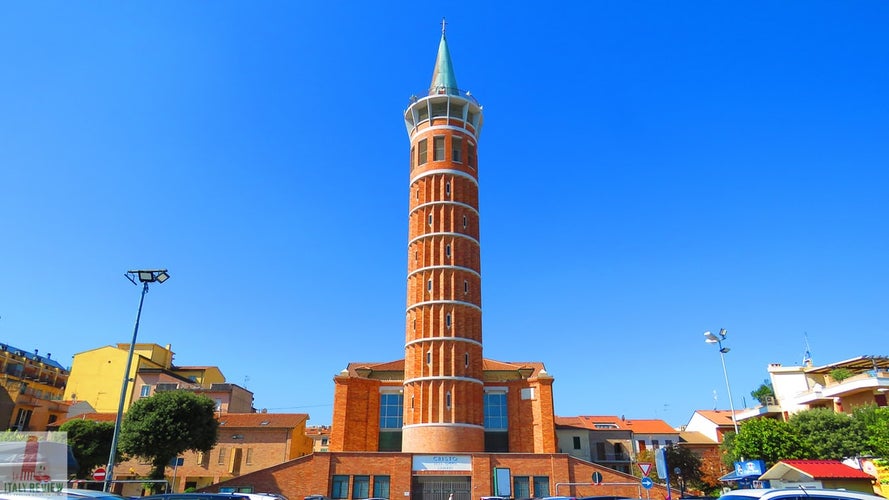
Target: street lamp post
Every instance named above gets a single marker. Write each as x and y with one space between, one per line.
713 339
145 276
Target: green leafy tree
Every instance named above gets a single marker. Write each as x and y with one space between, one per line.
827 435
764 439
162 426
763 391
875 420
689 465
840 374
90 442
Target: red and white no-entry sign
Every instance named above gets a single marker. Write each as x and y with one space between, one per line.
99 474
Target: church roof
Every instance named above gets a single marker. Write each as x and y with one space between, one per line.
444 81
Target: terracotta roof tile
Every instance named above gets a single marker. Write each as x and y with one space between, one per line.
718 417
270 420
96 417
827 469
651 426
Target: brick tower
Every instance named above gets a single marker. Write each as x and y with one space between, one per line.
443 381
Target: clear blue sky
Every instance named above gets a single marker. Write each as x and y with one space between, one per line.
648 171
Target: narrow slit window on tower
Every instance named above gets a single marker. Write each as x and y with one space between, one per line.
464 222
429 285
413 164
448 188
412 402
438 148
416 256
448 250
448 400
457 149
465 286
448 320
428 357
422 156
466 360
430 219
415 325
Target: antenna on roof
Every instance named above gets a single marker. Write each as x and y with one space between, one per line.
443 24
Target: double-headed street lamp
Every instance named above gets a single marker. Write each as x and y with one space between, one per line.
713 339
145 276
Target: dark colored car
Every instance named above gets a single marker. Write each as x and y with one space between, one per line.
196 496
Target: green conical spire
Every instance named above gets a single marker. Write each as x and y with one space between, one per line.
443 78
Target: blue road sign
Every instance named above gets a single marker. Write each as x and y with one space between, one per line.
647 483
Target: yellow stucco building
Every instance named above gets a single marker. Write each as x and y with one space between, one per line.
96 375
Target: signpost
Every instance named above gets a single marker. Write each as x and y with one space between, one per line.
99 474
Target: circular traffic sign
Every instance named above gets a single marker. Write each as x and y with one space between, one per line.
647 483
597 477
99 474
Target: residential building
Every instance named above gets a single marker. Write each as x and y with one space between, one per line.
840 386
31 390
698 443
97 375
652 434
444 422
713 424
320 436
247 442
606 440
612 441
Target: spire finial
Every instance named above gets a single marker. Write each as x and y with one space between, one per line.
443 80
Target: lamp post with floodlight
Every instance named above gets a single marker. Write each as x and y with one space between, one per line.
145 276
713 339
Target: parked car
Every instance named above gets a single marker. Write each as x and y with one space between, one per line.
796 494
197 496
65 494
263 496
605 497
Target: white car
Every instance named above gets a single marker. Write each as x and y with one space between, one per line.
796 494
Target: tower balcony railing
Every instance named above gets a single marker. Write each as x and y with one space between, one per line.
436 91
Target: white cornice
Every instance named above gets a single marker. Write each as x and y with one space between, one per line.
451 339
459 235
439 302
